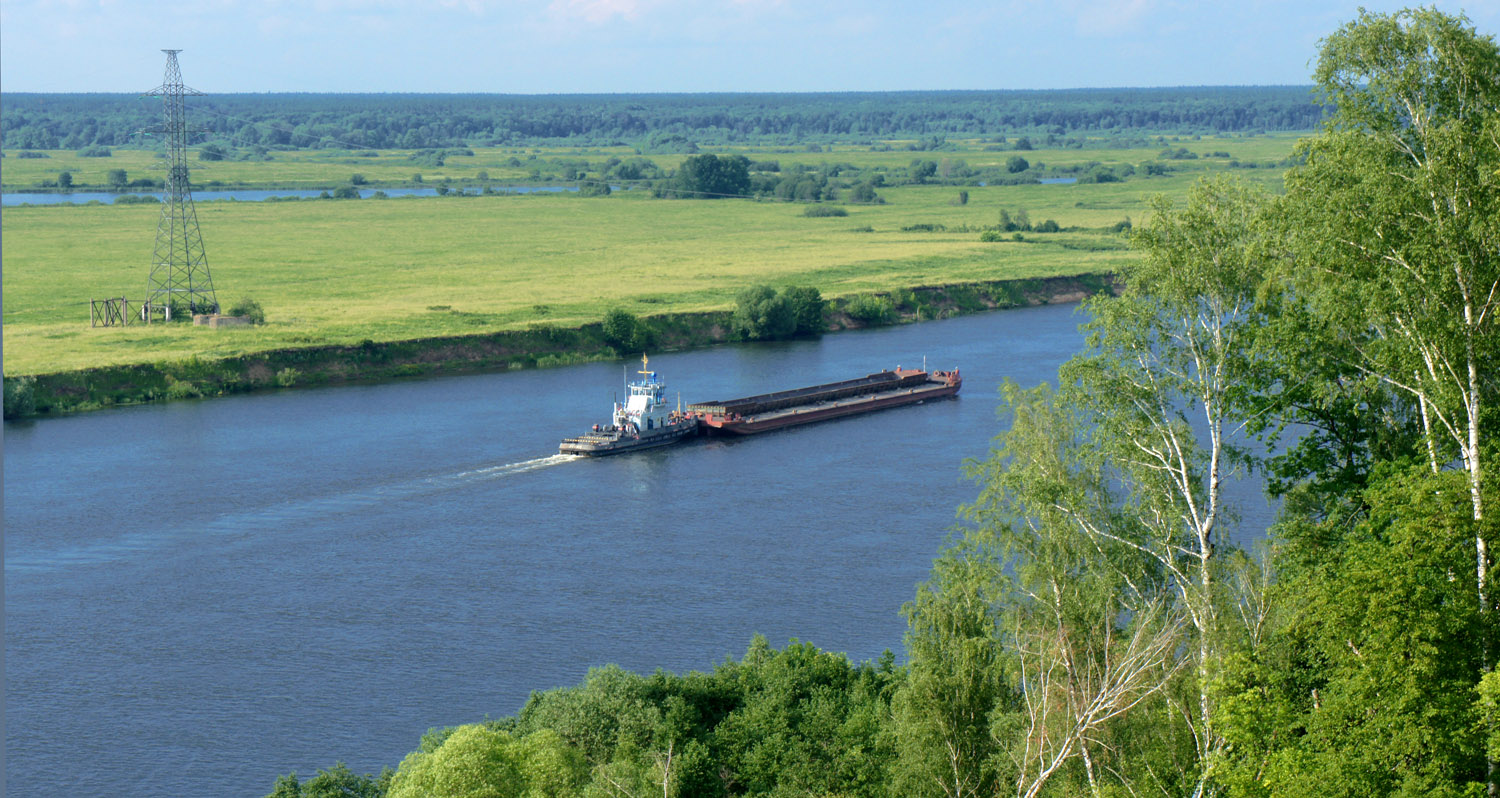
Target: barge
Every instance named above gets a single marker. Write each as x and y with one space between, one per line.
754 414
642 421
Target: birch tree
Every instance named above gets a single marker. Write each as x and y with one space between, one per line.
1161 386
1396 232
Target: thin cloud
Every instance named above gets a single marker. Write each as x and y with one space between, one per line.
597 11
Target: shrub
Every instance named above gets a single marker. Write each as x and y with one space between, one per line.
287 377
346 192
31 154
250 309
871 310
626 333
924 227
95 152
136 199
990 236
824 210
20 396
1048 226
356 179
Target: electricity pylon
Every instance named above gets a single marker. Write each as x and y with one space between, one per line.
179 267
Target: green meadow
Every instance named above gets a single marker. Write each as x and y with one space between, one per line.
344 271
329 168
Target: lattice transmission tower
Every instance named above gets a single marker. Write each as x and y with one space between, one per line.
179 267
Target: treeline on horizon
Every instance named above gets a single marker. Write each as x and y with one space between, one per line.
1093 628
659 122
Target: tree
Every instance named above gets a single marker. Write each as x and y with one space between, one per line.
1090 626
711 177
807 306
625 333
864 194
1367 669
211 152
760 314
1171 341
64 179
474 762
959 676
1396 234
1016 163
117 178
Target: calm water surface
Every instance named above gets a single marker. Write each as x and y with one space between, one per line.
201 596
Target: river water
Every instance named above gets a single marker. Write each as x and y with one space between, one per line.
201 596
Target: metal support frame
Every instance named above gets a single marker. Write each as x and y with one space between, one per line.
179 266
112 312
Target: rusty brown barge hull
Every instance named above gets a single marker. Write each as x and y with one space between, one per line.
755 414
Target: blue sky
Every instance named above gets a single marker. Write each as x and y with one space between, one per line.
573 46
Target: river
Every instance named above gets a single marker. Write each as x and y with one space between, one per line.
203 595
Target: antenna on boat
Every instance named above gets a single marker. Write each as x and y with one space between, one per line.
924 362
644 362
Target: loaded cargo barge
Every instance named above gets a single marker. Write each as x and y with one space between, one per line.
645 420
765 412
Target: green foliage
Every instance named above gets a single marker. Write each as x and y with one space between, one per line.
761 314
1016 163
64 179
1373 677
335 782
710 177
346 192
95 152
807 306
958 677
250 309
20 396
116 178
864 194
473 762
823 211
870 310
625 333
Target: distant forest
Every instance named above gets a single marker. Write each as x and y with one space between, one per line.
652 122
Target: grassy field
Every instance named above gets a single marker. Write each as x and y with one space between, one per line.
331 168
342 271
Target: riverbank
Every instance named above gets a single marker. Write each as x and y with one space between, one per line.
538 346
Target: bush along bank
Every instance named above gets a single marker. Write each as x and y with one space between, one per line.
537 347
